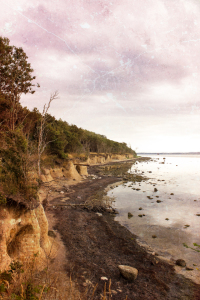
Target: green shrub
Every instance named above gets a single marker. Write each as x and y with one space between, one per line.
16 166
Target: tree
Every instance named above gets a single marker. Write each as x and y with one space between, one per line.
42 143
15 76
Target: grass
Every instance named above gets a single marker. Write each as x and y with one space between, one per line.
27 282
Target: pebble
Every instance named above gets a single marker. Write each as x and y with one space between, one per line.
98 214
180 262
188 268
104 278
128 272
130 215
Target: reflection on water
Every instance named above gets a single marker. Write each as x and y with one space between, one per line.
166 203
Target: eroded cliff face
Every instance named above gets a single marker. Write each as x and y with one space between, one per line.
75 168
24 231
23 236
69 172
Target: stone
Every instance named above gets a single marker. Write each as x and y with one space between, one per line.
104 278
51 233
98 214
186 226
180 262
155 190
189 268
130 215
128 272
154 236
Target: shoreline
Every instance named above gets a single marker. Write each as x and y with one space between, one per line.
96 245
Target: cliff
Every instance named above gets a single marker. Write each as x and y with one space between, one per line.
24 227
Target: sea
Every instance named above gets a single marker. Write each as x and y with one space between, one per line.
162 211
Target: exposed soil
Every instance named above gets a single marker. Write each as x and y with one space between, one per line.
96 245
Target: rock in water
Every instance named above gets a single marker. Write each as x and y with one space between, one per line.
180 262
127 272
130 215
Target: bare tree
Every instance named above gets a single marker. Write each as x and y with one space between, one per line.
42 143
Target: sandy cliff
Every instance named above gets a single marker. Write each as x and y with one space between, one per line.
24 231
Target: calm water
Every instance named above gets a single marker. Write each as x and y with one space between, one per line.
177 180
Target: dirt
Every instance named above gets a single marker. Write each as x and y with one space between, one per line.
97 244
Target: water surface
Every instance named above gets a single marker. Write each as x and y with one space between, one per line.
173 180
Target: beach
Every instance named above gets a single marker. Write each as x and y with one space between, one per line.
96 244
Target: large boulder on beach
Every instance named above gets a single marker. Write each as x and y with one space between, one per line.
128 272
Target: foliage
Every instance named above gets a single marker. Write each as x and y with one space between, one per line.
25 134
16 165
2 199
197 249
28 290
16 77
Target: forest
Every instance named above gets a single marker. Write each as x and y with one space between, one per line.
27 137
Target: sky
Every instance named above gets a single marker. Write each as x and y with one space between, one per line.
126 69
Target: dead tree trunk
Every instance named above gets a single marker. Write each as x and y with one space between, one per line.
42 143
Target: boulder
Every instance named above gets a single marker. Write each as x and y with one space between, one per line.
128 272
180 262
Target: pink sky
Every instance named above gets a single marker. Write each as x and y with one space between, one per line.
127 69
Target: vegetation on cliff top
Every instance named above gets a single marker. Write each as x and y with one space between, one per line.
20 129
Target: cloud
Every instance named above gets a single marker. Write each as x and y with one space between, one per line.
143 53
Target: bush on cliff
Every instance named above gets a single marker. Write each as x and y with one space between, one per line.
16 166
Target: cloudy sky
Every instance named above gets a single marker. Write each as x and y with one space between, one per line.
127 69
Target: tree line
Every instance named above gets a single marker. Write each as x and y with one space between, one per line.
26 134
